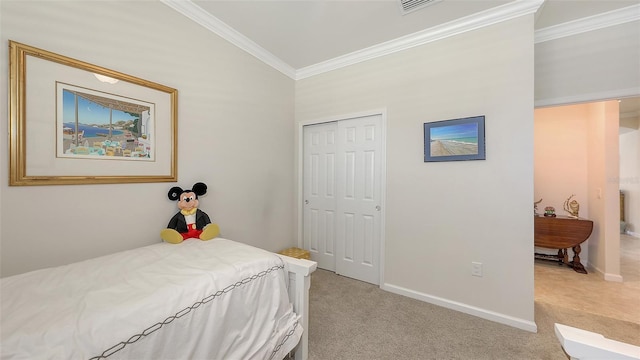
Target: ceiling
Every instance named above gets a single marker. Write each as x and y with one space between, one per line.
305 37
302 33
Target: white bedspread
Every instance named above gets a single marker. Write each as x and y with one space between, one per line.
215 299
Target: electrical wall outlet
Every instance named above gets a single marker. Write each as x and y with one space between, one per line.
476 268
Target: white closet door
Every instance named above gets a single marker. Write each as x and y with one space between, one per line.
319 214
342 182
359 202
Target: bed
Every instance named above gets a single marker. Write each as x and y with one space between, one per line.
586 345
217 299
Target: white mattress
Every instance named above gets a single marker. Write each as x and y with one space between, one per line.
215 299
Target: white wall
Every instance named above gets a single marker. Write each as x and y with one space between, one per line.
561 162
630 178
592 66
604 198
235 134
442 216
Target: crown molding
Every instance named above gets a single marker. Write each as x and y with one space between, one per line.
589 97
595 22
485 18
210 22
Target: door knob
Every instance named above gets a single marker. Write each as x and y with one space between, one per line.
378 207
306 202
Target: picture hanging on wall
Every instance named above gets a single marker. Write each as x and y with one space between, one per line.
72 122
454 140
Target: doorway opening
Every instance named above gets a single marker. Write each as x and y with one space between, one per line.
560 147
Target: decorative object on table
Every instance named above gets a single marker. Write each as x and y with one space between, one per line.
190 222
456 139
549 211
535 207
572 207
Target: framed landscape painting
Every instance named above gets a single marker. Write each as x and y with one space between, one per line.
96 125
454 140
72 122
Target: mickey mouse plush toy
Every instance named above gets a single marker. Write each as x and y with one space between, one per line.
190 222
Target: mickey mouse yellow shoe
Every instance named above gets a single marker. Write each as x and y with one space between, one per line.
171 236
210 231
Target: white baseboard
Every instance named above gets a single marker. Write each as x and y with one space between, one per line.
464 308
606 276
613 277
631 233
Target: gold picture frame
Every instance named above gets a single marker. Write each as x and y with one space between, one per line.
55 141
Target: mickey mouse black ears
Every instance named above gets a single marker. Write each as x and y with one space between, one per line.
174 193
198 189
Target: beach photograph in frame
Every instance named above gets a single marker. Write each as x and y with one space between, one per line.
454 140
72 122
97 125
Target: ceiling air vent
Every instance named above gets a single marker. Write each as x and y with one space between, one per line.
407 6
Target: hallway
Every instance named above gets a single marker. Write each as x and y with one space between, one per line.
561 286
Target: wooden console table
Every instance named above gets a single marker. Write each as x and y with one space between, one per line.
561 233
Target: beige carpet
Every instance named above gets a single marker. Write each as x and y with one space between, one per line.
350 319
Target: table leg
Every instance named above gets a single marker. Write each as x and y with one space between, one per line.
575 264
